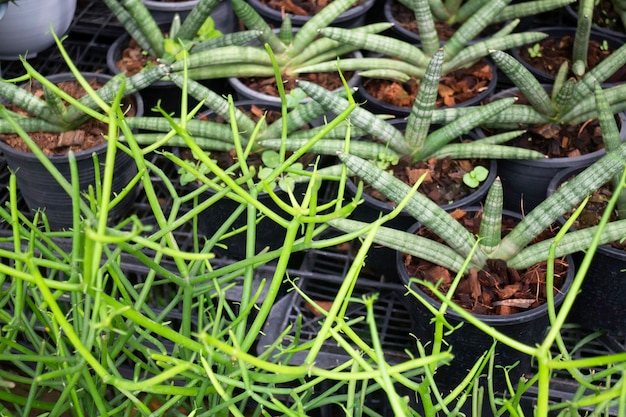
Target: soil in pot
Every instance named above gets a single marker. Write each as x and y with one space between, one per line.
553 51
496 289
605 17
298 7
267 85
511 301
456 88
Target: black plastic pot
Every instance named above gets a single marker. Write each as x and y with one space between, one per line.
41 191
351 18
600 303
377 106
164 11
525 181
467 342
559 32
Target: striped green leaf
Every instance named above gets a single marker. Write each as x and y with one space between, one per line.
26 101
444 135
206 144
490 231
132 26
229 39
310 30
481 150
420 207
418 122
565 198
512 117
146 22
600 73
404 242
196 18
581 39
365 64
362 149
469 30
215 102
528 85
253 21
379 43
195 127
585 108
572 242
474 52
30 124
429 39
233 54
529 8
386 74
359 117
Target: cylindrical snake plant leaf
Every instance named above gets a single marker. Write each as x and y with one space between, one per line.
581 38
134 26
564 199
490 231
253 21
526 82
429 39
409 243
361 118
196 18
418 122
420 207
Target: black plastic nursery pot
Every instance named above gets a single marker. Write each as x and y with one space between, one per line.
559 33
351 18
467 343
610 26
600 303
41 191
525 181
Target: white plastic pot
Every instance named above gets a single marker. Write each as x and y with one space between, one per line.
25 28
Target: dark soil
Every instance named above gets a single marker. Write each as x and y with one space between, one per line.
298 7
454 88
443 183
555 51
495 290
593 211
134 59
86 136
267 85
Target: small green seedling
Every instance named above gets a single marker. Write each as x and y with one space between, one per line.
604 46
476 176
535 51
295 97
271 160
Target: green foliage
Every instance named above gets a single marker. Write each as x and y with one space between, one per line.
535 51
473 178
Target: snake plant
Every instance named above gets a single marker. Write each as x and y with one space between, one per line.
515 248
411 61
195 33
51 115
294 51
417 141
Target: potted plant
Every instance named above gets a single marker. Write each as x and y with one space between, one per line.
51 115
463 251
604 280
402 64
553 116
448 16
419 142
25 29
